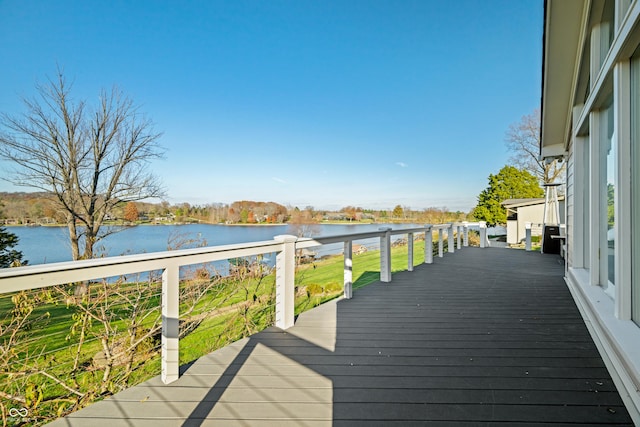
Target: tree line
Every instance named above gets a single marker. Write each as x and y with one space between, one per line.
22 208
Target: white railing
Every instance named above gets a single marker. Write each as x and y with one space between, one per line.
47 275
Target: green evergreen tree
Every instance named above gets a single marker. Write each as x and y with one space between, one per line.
509 183
9 256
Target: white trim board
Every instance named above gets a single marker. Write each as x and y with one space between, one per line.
617 340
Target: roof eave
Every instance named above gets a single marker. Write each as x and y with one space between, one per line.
564 26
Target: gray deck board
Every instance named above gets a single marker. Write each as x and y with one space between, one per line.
485 337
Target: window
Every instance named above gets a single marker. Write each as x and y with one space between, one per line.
586 210
608 194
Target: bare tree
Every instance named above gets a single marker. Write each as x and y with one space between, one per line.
303 223
523 140
90 158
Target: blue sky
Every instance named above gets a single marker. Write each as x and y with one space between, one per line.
322 103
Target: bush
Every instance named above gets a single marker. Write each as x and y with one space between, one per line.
314 289
474 238
333 287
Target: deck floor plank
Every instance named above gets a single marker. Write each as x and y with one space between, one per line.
481 337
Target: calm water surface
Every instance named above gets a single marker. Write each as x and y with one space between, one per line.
41 245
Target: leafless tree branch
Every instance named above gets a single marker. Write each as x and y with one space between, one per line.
90 159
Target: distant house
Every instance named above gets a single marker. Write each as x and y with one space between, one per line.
523 211
168 218
359 249
590 118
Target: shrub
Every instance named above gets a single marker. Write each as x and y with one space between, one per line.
314 289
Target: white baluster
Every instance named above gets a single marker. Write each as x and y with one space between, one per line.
465 226
285 281
385 255
410 251
483 234
348 269
170 324
428 245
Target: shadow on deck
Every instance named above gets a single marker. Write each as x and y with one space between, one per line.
482 337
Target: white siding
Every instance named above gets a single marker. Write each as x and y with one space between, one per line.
570 205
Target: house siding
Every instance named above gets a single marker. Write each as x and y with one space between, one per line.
570 206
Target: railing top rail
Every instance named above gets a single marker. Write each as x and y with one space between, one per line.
441 226
307 242
41 275
412 230
129 259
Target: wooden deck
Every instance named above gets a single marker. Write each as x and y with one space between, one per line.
481 337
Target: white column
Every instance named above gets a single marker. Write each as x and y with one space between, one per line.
170 324
285 281
527 233
440 243
428 245
622 205
483 234
451 246
348 269
385 255
410 251
594 201
458 229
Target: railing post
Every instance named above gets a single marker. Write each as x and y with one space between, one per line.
428 245
465 226
483 234
440 243
527 241
458 228
285 281
410 251
348 269
385 254
451 246
170 324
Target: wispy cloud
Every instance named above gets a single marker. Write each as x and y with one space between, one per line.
402 164
280 180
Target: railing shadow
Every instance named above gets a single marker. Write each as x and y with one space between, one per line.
366 278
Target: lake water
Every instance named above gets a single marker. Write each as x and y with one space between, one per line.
40 245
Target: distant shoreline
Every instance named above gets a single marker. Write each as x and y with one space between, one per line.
218 223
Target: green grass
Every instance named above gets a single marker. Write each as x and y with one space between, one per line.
366 266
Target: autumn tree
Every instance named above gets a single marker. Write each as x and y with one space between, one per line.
523 140
350 212
509 183
131 213
89 158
